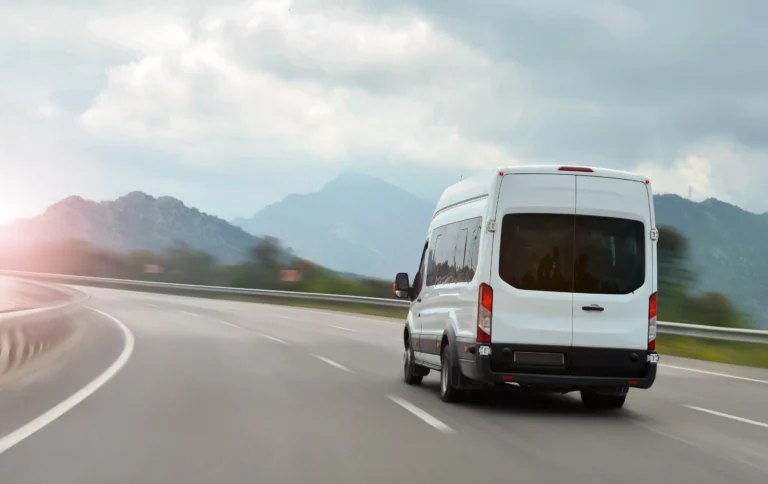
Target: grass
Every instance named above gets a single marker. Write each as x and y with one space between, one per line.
735 353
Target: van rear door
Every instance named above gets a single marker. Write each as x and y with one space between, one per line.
613 263
532 268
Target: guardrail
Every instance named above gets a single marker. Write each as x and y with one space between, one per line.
678 329
27 334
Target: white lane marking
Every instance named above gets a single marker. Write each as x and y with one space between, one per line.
725 375
191 314
40 422
726 415
152 305
422 415
278 340
333 363
229 324
285 317
343 328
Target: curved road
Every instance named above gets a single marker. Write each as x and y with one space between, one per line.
177 389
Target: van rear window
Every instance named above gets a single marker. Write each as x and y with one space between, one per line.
567 253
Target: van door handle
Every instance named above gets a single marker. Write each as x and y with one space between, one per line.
593 307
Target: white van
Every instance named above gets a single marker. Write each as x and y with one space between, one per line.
539 276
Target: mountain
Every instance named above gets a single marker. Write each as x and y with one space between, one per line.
136 221
726 248
356 224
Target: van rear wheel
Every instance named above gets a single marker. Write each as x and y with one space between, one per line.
596 401
448 392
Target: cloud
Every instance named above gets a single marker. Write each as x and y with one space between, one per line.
199 94
714 168
200 90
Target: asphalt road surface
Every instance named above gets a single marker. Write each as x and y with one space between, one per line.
164 389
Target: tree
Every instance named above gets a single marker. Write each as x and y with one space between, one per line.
673 249
715 309
266 254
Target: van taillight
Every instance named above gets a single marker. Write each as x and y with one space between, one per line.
484 312
652 322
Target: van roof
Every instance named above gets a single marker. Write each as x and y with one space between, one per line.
480 185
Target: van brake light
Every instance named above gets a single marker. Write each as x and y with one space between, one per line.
652 314
484 314
582 169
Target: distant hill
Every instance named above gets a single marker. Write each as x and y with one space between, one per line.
136 221
727 247
355 224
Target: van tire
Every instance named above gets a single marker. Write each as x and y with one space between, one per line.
448 392
596 401
411 373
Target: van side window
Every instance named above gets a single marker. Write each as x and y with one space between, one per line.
418 279
445 267
434 247
474 249
460 255
453 252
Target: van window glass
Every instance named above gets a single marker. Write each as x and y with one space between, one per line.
453 252
459 255
610 255
445 265
418 280
434 247
537 252
474 249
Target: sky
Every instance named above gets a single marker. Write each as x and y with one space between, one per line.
230 106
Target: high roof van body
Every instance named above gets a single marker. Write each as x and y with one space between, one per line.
540 276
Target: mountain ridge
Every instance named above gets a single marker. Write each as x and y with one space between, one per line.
135 221
337 227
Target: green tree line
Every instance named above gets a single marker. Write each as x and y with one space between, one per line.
678 301
182 264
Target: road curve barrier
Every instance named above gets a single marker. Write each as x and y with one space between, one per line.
679 329
27 334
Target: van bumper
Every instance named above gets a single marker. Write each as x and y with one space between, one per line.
480 368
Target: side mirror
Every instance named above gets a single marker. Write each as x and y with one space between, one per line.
402 285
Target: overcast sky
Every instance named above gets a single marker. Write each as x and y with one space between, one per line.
233 106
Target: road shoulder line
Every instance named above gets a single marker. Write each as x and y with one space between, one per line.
714 373
30 428
728 416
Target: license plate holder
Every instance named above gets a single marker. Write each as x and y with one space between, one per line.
537 358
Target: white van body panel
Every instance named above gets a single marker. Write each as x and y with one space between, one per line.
624 321
531 317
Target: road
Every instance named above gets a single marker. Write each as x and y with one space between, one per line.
16 294
165 389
